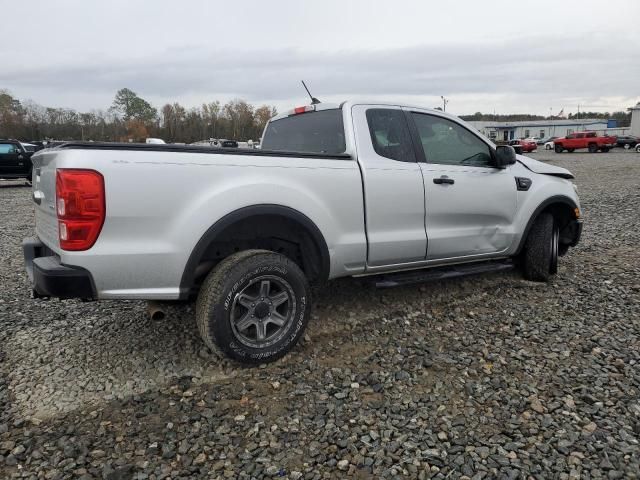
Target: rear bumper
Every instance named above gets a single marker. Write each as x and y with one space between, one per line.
50 278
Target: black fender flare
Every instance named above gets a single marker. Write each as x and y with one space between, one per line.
549 201
188 275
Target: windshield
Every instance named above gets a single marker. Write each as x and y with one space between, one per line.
312 132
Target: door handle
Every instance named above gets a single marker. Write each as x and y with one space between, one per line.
444 180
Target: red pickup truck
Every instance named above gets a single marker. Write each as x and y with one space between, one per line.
589 140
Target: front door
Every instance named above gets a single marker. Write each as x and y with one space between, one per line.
10 163
470 205
393 186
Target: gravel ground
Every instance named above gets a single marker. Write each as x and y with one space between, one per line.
485 377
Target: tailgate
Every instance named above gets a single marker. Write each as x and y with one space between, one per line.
44 197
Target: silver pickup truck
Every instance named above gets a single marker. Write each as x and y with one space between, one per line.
336 190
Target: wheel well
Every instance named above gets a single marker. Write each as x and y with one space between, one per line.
563 212
273 228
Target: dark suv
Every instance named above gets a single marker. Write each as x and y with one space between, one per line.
627 141
15 161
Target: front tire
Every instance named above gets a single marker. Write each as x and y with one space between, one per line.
558 148
627 146
253 306
593 148
540 257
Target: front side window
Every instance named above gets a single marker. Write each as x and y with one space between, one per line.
8 148
390 134
446 142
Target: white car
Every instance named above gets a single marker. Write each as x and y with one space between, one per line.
337 190
550 145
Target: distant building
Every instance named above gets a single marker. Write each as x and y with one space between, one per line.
635 120
505 131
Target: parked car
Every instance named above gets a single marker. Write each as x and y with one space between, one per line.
589 140
15 160
547 143
527 145
29 147
627 141
246 232
37 144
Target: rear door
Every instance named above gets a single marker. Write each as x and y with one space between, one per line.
10 161
393 186
470 206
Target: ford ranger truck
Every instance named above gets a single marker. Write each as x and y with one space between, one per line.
588 140
342 190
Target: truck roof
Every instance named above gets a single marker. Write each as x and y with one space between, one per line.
349 103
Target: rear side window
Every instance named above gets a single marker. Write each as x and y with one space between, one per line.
312 132
390 134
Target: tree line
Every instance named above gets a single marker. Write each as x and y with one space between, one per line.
132 118
623 118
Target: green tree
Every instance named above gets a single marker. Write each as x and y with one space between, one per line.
261 116
130 106
11 115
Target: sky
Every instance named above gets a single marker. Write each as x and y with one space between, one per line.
502 56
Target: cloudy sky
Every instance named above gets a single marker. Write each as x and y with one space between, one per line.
505 56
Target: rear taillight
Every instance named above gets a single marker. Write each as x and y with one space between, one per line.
80 206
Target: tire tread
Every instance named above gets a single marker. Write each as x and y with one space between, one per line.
537 249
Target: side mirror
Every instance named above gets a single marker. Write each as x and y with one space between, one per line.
505 156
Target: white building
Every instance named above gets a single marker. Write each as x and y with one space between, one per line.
635 120
505 131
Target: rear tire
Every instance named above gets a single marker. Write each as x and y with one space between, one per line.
253 306
593 148
571 150
627 146
547 147
605 149
540 256
558 148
